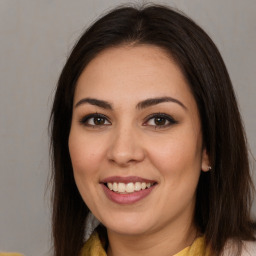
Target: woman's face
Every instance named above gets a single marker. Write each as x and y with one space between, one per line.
136 142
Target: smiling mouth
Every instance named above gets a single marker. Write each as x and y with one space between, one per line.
128 188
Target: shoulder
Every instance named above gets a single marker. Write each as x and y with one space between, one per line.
248 249
93 246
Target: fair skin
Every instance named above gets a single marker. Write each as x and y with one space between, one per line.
123 133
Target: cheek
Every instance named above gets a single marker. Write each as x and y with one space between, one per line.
85 153
85 163
175 154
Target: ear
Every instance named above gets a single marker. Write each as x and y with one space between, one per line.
205 165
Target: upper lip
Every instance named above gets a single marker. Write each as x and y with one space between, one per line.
127 179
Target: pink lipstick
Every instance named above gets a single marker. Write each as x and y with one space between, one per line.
127 190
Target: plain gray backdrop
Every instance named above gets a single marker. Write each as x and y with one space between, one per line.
35 39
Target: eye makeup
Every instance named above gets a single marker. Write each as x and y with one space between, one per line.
156 120
159 120
95 119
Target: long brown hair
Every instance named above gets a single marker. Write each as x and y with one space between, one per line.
224 194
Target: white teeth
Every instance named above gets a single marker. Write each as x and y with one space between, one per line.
115 188
121 187
143 185
110 186
130 187
137 186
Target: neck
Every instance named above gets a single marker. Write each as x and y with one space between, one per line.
165 242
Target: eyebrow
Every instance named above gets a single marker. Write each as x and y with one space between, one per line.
141 105
95 102
154 101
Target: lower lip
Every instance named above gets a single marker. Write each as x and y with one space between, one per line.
130 198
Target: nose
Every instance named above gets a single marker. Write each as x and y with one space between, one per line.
126 147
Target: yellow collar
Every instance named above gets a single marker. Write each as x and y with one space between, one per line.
94 247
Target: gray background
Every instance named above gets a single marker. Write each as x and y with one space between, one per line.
35 39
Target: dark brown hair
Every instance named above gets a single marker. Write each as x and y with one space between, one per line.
224 194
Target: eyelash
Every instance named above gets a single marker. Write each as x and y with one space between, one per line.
166 118
84 120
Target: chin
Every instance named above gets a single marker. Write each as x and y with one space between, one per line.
127 230
127 226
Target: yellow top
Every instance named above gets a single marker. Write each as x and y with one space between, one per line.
94 247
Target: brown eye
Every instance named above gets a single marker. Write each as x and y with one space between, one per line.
99 120
160 121
95 120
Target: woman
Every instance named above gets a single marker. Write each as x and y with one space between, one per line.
146 135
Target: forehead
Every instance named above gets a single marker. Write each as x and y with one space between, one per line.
132 73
